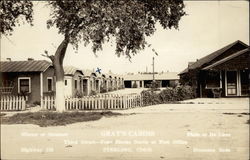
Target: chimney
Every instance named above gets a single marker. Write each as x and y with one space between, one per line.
9 59
30 59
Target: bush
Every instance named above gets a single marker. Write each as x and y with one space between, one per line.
150 98
154 86
168 95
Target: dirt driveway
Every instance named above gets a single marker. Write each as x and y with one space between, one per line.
200 129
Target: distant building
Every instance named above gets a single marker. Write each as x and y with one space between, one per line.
144 80
73 81
226 69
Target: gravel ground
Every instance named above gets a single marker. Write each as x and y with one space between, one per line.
209 129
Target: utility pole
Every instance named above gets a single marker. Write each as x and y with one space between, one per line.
153 69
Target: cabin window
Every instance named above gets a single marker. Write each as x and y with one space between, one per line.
75 84
24 85
65 82
213 79
50 84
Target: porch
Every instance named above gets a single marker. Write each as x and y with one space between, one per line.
230 74
227 83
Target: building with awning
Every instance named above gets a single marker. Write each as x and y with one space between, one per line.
225 70
143 80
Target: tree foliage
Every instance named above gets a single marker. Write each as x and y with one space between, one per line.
128 21
12 11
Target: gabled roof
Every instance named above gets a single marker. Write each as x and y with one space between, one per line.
70 70
184 71
227 58
24 66
88 73
213 55
99 75
210 57
159 76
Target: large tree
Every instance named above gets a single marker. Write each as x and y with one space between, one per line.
127 22
12 12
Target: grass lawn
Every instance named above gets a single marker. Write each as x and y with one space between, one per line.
44 119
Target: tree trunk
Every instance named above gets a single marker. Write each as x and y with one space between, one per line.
59 73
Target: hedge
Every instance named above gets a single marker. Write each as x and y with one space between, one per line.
168 95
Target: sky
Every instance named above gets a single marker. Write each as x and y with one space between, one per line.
207 27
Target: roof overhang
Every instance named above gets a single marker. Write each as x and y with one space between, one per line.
226 59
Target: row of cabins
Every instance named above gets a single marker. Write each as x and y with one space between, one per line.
35 79
225 71
145 79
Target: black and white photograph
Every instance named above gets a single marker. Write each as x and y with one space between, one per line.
124 80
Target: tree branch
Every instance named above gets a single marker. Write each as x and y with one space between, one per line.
51 57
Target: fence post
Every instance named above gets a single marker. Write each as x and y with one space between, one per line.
85 103
122 102
92 103
111 101
16 102
11 103
98 102
49 104
102 101
24 104
115 102
8 103
108 102
74 103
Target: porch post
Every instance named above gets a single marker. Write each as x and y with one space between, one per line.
238 84
225 82
41 88
107 85
220 79
99 85
88 86
200 90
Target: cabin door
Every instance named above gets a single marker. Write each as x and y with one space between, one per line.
231 78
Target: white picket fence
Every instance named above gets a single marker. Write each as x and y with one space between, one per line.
12 103
98 102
